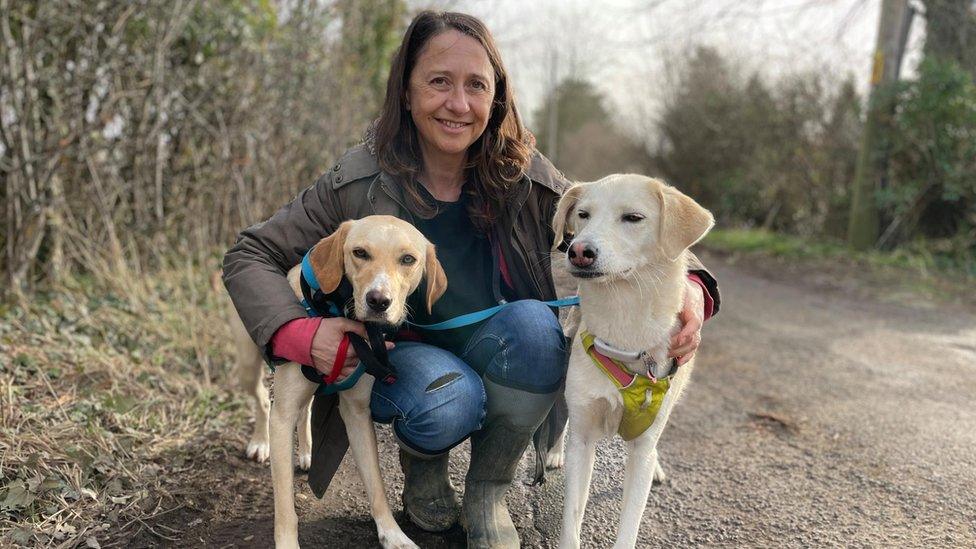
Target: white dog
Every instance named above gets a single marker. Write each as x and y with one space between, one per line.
384 258
629 247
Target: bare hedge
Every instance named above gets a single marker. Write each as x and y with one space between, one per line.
131 128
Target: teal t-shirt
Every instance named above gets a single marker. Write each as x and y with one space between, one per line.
465 255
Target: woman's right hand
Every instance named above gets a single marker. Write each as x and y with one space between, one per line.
326 341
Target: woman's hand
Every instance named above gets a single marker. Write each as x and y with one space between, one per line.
692 315
326 341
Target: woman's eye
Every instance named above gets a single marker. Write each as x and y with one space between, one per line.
408 260
633 218
583 215
360 253
439 81
479 85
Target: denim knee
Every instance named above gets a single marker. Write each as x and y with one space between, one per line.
436 402
453 408
522 347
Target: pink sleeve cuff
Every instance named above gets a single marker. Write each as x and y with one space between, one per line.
293 340
709 302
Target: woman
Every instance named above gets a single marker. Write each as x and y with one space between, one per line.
449 154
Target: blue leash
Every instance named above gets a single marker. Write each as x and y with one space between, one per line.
309 275
457 322
478 316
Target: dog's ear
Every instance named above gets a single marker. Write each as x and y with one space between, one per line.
436 279
563 209
683 221
327 260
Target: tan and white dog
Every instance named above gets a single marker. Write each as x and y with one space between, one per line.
384 259
628 251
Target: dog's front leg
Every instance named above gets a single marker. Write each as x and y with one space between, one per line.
291 393
641 458
584 433
354 407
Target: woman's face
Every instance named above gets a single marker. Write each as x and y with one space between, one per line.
450 94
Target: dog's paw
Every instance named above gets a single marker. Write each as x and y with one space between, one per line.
258 451
555 458
396 539
288 543
659 476
305 461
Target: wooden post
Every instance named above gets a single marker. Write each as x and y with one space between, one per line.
552 124
863 226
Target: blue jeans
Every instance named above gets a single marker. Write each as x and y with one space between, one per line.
439 397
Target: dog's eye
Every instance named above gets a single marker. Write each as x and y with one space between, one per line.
633 218
360 253
583 214
408 260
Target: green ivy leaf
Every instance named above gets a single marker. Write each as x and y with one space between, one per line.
17 497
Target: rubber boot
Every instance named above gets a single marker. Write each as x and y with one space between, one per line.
496 449
429 498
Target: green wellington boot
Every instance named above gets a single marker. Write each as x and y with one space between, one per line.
429 498
496 449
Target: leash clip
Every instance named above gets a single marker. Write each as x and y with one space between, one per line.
649 364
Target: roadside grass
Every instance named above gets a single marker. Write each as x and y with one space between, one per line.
108 393
931 270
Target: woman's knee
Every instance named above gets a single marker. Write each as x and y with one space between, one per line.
532 356
451 408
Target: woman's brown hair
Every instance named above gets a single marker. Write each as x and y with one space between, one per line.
496 160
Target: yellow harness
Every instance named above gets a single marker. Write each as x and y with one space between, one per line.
642 395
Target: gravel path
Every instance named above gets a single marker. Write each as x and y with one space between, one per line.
817 417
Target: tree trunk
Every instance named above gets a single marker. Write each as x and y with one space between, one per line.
864 225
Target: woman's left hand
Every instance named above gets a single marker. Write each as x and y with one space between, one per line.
692 315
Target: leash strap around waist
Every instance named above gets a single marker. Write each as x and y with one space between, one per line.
477 316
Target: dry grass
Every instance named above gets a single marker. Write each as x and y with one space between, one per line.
108 393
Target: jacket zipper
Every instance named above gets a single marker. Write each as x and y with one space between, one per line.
496 269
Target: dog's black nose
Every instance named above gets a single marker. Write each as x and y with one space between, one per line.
582 254
377 301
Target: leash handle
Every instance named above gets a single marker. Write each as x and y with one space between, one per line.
377 343
340 359
383 372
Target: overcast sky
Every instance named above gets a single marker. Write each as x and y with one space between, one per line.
623 46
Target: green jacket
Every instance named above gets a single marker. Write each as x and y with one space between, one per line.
255 267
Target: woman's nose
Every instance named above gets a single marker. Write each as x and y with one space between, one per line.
457 102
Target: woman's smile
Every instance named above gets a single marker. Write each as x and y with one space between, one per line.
453 127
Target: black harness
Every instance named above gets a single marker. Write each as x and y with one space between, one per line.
373 358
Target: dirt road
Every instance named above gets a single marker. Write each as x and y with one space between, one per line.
818 417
